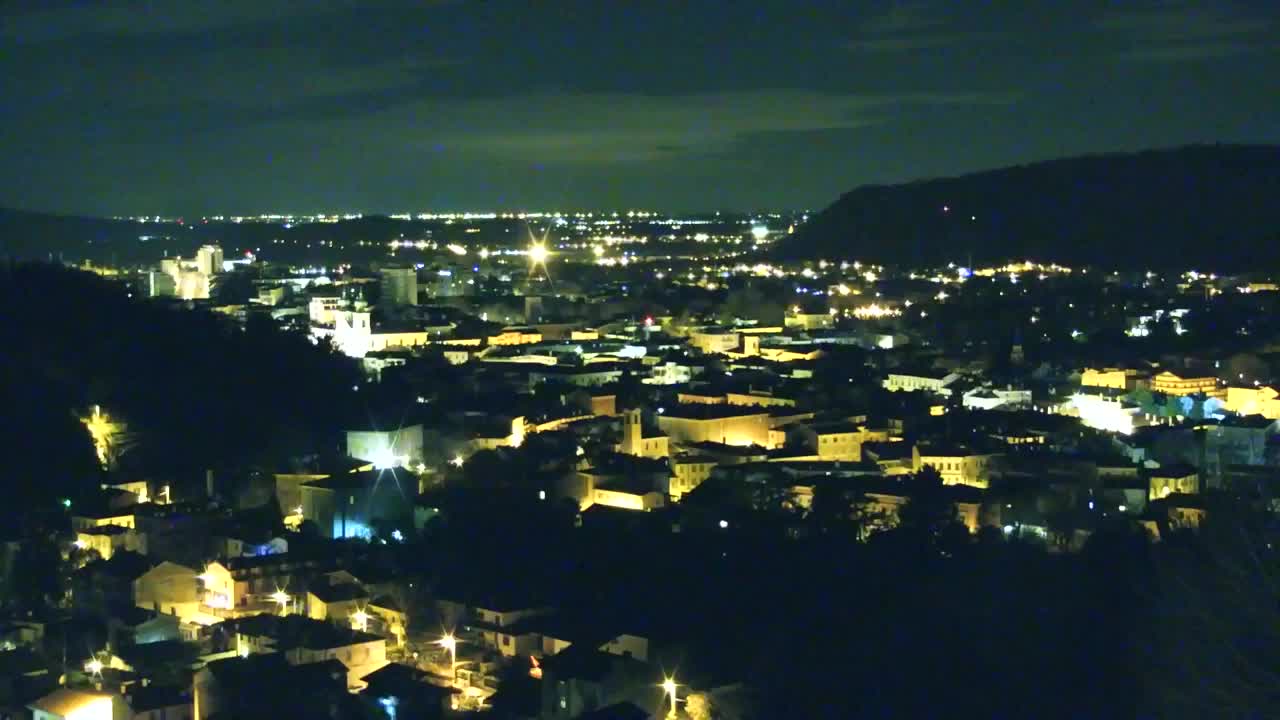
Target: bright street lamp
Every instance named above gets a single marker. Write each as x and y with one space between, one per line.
360 621
669 687
94 667
538 254
450 643
282 599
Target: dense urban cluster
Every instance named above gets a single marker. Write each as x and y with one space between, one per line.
576 472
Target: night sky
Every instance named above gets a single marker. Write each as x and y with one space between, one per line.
242 106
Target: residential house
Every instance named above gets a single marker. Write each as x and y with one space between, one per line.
258 687
1171 383
688 424
929 380
75 704
405 691
958 465
303 640
1170 479
336 602
1262 400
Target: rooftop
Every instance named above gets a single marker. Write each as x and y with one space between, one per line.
297 631
338 593
69 702
703 411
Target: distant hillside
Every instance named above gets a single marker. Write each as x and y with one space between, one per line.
1215 207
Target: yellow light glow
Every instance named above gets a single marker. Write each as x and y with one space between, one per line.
457 461
448 642
360 621
538 254
875 311
93 667
669 687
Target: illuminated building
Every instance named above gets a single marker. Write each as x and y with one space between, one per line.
672 373
688 472
956 465
688 424
515 336
304 641
217 588
1261 400
622 481
106 540
991 398
209 259
714 341
1102 412
1113 378
402 447
344 506
161 284
74 704
169 588
1179 478
807 320
635 443
354 335
831 441
399 286
337 603
627 496
320 310
935 381
193 279
875 311
1173 384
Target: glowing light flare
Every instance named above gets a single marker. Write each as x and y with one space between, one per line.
360 621
875 311
669 687
538 254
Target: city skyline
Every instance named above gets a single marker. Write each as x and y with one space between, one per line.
251 107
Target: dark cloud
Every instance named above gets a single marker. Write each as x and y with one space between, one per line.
293 105
1178 32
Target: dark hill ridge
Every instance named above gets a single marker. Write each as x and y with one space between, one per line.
1213 207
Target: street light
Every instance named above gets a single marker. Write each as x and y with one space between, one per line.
94 667
360 621
281 598
538 254
669 687
450 643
